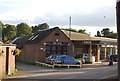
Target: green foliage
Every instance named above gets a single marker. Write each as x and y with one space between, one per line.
106 33
69 29
1 28
40 27
1 24
15 72
112 35
16 52
82 31
74 30
9 32
23 30
98 34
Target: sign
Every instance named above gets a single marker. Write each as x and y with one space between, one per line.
87 42
57 43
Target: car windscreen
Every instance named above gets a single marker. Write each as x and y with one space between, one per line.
78 56
70 58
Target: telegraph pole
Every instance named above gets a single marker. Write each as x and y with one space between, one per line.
118 31
70 28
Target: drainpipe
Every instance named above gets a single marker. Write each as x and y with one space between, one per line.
118 31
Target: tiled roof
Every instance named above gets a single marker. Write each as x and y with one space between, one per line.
77 36
80 36
37 37
104 39
40 35
21 41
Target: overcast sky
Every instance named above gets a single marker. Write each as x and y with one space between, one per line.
84 13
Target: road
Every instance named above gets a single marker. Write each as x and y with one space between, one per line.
96 71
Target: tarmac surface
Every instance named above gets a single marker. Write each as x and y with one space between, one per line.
33 69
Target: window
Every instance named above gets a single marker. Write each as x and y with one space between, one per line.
64 47
56 49
70 58
63 58
59 47
47 47
53 47
57 34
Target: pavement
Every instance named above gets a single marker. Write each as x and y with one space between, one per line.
34 69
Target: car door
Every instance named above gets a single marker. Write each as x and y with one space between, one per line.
70 60
63 59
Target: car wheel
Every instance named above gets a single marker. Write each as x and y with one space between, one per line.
77 63
51 63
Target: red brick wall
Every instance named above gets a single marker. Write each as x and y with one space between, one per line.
33 52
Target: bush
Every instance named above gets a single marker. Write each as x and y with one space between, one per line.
16 52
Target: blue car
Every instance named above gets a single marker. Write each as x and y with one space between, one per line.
66 59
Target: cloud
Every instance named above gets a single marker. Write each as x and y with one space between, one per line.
99 17
57 12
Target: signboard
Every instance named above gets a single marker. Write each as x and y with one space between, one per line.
87 42
57 43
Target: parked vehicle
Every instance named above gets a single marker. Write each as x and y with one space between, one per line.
50 58
113 58
65 59
83 58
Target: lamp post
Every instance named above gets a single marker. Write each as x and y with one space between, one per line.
118 31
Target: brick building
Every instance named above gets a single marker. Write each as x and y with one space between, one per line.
44 43
55 41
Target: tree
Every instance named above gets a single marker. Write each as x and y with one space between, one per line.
1 29
23 30
43 26
82 31
112 35
105 32
34 29
40 27
9 32
69 29
1 24
98 34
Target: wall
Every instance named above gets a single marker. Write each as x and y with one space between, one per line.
33 52
7 67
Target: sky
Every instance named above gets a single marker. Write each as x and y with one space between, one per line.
92 15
